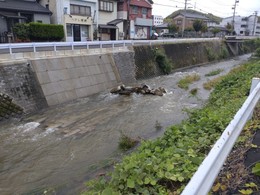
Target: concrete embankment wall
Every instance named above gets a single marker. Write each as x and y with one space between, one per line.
181 55
34 84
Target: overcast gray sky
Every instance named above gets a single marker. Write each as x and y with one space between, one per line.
222 8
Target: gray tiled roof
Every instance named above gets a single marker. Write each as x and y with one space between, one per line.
194 15
23 5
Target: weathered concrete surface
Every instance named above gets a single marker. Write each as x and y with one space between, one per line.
18 81
69 78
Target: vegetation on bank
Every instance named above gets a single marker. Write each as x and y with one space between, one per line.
165 165
186 81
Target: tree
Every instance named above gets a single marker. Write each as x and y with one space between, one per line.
229 28
215 31
198 25
172 27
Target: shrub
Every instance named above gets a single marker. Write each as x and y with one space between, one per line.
126 142
163 62
21 31
210 54
223 53
257 52
46 32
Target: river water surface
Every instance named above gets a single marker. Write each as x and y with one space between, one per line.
59 148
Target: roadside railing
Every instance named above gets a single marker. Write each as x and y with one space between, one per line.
203 179
58 46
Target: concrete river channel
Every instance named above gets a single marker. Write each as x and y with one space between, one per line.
59 148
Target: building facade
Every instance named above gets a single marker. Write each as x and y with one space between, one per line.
137 16
189 19
20 11
157 20
109 26
79 17
248 26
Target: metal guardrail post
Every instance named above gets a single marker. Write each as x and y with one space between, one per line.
10 49
203 179
72 46
34 48
54 46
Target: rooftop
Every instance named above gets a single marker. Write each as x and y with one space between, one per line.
23 5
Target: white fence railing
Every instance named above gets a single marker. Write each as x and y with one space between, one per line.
56 46
203 179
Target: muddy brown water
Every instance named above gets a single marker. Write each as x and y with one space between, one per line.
59 148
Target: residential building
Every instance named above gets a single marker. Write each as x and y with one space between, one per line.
109 27
137 16
20 11
189 19
157 20
243 25
79 17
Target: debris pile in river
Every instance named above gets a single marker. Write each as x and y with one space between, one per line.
143 89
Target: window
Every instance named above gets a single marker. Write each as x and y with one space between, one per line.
144 11
134 9
69 30
80 10
243 26
106 6
179 22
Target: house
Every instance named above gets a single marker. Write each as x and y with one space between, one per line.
109 27
79 17
189 19
137 16
20 11
243 25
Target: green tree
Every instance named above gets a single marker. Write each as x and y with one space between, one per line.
173 27
215 31
198 25
21 31
229 27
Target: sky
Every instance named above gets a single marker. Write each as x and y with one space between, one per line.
221 8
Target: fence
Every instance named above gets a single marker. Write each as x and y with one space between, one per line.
57 46
203 179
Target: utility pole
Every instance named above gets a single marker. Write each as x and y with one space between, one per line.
254 23
233 21
184 19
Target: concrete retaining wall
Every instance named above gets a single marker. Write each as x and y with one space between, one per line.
69 78
18 81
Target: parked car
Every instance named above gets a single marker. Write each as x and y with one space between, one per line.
168 35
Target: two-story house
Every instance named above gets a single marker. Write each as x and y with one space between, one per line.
79 17
109 27
137 16
20 11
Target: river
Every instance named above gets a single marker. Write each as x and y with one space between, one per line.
59 148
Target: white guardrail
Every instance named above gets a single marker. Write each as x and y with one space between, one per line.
203 179
56 46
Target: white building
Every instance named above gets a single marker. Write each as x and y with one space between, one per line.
79 17
243 25
157 20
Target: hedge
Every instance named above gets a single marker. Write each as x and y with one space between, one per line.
39 32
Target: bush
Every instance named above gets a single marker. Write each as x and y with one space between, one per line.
39 32
46 32
21 31
257 52
210 54
163 62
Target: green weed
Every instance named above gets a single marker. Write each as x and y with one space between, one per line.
186 81
214 72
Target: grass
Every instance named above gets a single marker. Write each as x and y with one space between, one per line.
194 91
214 72
211 83
186 81
126 142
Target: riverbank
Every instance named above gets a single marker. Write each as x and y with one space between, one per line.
60 147
165 165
